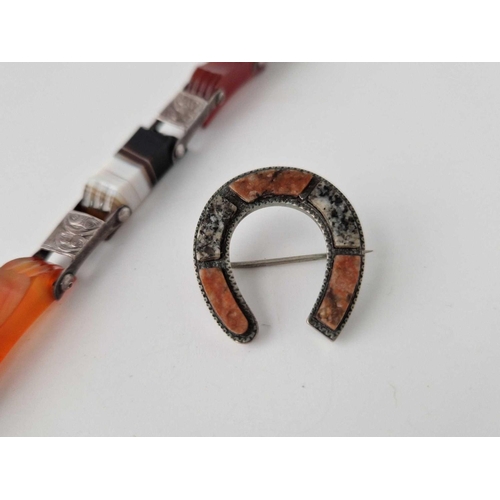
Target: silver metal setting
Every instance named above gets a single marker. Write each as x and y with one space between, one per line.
76 237
180 151
185 110
124 213
72 234
225 229
184 115
67 282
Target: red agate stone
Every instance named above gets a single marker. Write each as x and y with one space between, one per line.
345 277
225 76
271 182
222 300
26 290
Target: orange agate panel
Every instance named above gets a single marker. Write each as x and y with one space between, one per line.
26 290
222 300
345 277
271 182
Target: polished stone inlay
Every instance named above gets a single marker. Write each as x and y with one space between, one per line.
222 300
118 183
211 231
328 200
271 182
345 277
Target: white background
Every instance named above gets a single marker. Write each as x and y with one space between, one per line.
133 350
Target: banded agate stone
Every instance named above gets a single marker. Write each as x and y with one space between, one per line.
118 183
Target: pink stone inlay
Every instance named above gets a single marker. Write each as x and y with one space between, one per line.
345 277
271 182
222 300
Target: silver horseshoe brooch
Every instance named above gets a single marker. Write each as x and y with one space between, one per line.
288 187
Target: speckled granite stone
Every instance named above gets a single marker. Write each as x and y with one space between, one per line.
345 276
338 215
222 300
271 182
209 237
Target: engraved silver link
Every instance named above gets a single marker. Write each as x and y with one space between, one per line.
72 234
76 237
184 115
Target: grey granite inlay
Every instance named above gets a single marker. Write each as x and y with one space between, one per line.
209 237
332 204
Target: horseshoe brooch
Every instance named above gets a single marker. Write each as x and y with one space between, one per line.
288 187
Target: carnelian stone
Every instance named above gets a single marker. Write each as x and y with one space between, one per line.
225 76
26 290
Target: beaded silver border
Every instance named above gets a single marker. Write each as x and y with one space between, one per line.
299 203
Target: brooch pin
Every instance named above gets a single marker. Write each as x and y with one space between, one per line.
288 187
